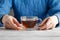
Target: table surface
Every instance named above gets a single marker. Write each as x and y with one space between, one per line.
53 34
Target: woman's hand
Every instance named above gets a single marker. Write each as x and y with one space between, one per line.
49 23
10 22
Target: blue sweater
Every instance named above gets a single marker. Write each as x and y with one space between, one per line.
39 8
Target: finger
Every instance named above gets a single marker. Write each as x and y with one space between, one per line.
50 26
16 22
44 22
13 25
48 22
53 26
45 27
42 28
7 25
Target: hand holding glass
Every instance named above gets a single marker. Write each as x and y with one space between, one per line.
30 21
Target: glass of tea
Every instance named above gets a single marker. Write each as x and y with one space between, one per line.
29 21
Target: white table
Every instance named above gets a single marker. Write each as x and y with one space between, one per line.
53 34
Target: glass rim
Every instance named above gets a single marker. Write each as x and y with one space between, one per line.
29 16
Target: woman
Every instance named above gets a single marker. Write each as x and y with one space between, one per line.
48 10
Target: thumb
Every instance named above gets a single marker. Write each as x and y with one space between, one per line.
16 22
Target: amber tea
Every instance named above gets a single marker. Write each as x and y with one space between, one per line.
29 22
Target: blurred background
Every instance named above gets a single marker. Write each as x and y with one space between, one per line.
11 13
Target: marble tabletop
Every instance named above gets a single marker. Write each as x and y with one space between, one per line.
53 34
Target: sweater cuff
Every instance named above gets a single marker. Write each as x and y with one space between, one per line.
1 19
58 16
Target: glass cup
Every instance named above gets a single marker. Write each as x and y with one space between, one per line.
30 21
